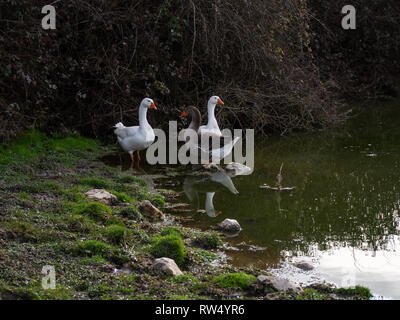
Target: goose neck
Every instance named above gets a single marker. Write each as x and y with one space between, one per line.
211 112
143 116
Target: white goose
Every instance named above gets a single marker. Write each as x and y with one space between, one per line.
212 127
212 155
209 205
139 137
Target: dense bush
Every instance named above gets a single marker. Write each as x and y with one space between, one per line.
105 56
359 63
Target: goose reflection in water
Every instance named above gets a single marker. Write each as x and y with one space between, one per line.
192 186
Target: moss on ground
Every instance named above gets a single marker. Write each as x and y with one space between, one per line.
98 251
130 212
362 292
208 241
170 246
117 234
92 248
94 210
238 280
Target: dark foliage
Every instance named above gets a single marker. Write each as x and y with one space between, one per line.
364 62
105 56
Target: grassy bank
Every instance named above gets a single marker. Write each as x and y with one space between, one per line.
100 251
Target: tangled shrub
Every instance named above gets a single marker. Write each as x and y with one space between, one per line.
255 54
361 62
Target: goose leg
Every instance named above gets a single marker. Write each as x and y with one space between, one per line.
138 154
132 162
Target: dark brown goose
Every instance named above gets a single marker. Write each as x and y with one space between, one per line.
216 154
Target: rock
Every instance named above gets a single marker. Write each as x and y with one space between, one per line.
151 211
102 196
238 169
277 284
322 287
167 266
7 295
230 225
304 266
272 296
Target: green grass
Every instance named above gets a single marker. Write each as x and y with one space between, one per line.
178 297
359 291
76 142
310 294
122 197
131 180
158 201
94 210
33 144
208 241
30 232
92 248
96 182
170 246
79 223
34 291
239 280
206 256
93 261
130 212
117 234
171 231
184 279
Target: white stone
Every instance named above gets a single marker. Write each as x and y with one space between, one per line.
277 284
102 196
167 266
304 266
151 211
230 225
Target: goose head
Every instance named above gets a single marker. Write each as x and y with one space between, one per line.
148 103
195 115
214 100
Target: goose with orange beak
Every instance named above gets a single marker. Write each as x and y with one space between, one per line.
139 137
212 128
217 154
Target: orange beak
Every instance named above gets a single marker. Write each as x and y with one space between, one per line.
220 101
153 106
183 114
218 213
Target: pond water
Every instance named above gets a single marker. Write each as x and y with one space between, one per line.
342 215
